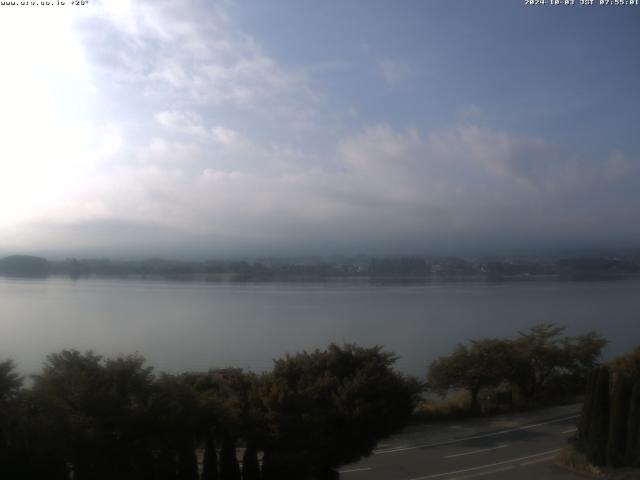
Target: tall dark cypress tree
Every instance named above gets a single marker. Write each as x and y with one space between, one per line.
632 448
229 468
268 470
599 424
587 410
250 464
187 462
210 460
635 462
618 421
166 467
274 467
141 465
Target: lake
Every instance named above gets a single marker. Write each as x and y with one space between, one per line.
196 326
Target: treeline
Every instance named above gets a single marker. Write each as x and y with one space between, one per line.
88 417
406 267
609 428
540 364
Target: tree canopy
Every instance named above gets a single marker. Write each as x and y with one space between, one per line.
485 363
90 417
531 362
349 397
628 364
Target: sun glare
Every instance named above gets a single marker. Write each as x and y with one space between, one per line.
44 90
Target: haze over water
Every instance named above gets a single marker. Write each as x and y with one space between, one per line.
195 326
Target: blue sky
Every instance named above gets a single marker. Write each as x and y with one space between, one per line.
223 128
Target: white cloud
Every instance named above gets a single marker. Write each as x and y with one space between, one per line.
466 181
202 140
192 56
228 137
182 122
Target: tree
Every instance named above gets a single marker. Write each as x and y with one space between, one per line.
13 432
210 460
230 405
582 354
543 354
599 422
331 407
587 410
10 381
628 364
250 464
98 408
229 469
632 451
486 363
187 461
609 429
539 355
176 415
620 397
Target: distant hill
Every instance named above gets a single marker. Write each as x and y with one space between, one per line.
24 265
590 266
377 268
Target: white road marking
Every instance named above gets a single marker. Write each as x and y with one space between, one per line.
482 467
473 437
538 460
353 470
569 431
477 451
482 474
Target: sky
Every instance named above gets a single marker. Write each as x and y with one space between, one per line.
203 128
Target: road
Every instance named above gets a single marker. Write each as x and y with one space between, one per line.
525 451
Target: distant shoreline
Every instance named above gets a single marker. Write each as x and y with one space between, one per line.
234 278
408 269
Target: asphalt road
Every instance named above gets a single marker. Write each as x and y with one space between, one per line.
522 452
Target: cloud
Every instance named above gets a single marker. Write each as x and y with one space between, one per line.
191 124
191 56
463 187
181 122
393 71
229 138
196 138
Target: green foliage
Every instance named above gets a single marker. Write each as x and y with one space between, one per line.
10 381
101 418
599 422
166 467
187 461
349 397
620 397
229 468
98 412
628 364
543 353
250 464
587 410
541 360
486 363
210 459
632 447
609 428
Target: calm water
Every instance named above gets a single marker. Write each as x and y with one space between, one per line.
196 326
